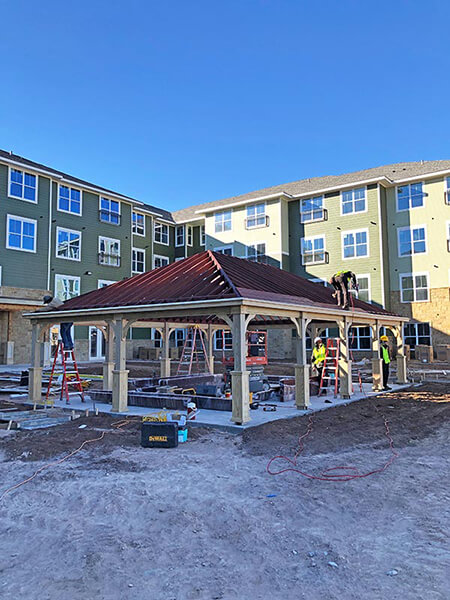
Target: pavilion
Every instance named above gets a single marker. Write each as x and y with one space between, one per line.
216 291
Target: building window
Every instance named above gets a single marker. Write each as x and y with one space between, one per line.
355 244
66 287
222 221
179 235
179 335
411 240
189 236
108 252
68 244
109 211
156 337
160 261
138 261
313 250
324 282
414 287
162 234
353 201
256 216
228 250
364 288
104 282
417 333
202 235
21 233
311 209
324 336
360 338
69 200
257 253
22 185
409 196
223 340
447 191
138 223
447 228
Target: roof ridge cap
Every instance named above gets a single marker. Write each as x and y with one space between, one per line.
219 267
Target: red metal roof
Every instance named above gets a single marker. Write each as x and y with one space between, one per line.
211 276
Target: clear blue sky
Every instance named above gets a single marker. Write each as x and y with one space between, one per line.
181 102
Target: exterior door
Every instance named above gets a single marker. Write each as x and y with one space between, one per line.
96 344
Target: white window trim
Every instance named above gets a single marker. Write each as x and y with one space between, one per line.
142 215
324 282
256 216
400 210
369 289
447 234
23 185
68 212
357 337
222 221
202 235
177 245
227 247
102 282
410 228
311 238
108 239
366 202
154 233
58 229
190 229
71 277
155 256
220 337
322 218
24 220
143 252
355 231
413 275
247 248
100 198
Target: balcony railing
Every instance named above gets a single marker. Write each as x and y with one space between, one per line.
109 216
447 197
310 216
257 221
110 260
315 258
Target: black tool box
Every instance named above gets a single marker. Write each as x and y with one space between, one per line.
159 435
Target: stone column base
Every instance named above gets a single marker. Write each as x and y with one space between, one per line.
345 378
120 391
165 367
108 368
401 369
35 384
377 375
240 397
302 386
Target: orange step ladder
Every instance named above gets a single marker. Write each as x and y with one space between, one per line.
330 371
69 377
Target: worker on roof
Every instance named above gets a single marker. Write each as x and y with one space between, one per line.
52 303
318 359
341 282
385 355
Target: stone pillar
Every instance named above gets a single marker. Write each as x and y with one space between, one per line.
119 374
35 372
240 376
165 354
345 364
402 376
210 348
108 365
377 370
302 369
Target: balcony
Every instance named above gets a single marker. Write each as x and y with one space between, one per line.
257 221
109 260
311 216
315 258
108 216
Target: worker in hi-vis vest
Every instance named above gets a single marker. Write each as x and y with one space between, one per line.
385 355
318 357
341 282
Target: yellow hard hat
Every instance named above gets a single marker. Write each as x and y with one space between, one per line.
384 338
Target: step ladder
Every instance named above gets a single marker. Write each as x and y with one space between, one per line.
194 352
330 371
70 375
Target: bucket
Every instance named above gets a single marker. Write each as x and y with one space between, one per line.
288 389
191 411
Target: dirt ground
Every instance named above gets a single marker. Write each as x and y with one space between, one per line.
206 520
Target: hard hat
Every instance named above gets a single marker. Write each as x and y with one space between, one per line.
317 339
384 338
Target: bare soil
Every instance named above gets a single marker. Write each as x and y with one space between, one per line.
206 520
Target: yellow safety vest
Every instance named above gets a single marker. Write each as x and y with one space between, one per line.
385 352
318 354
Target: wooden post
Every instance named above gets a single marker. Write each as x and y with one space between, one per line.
120 374
35 372
345 364
210 347
402 376
165 354
240 375
377 378
302 368
108 365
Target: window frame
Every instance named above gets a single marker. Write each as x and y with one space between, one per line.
135 212
70 277
160 256
253 245
354 212
324 251
227 343
58 229
415 274
162 225
189 236
354 232
411 229
369 288
106 282
119 257
181 228
69 212
36 189
109 212
220 249
22 220
312 211
397 187
356 336
222 214
202 235
133 261
258 215
417 336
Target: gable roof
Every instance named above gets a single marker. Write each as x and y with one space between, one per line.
392 173
213 276
25 162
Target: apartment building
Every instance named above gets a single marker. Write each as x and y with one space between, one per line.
390 225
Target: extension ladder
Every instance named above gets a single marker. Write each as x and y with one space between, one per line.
194 350
69 377
330 371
